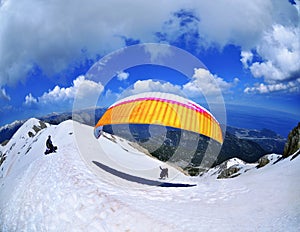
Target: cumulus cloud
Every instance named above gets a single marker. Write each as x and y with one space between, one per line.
291 87
56 33
150 85
279 50
246 59
30 100
81 88
205 83
122 76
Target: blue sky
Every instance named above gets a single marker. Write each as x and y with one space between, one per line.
250 48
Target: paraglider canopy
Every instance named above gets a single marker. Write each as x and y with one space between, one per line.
161 109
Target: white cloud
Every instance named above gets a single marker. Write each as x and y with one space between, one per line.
83 89
280 52
203 83
55 34
220 22
150 85
246 59
4 95
291 87
122 76
268 70
30 100
207 84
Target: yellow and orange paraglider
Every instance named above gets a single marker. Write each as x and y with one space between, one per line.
161 109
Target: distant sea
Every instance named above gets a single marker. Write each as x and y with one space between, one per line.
259 118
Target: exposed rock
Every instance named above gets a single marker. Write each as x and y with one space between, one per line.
36 129
30 134
4 142
42 125
2 158
293 142
263 161
229 172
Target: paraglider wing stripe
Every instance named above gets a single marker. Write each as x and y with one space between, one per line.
146 110
195 121
173 116
178 118
206 124
188 119
122 111
163 111
167 114
185 120
139 112
152 112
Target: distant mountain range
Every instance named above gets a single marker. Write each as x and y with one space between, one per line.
84 116
270 141
7 131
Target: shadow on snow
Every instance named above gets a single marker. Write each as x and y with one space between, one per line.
137 179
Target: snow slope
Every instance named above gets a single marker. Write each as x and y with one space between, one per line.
66 191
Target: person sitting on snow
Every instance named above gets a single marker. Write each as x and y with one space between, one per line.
49 145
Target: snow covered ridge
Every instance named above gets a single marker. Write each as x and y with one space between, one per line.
7 131
64 191
235 167
13 124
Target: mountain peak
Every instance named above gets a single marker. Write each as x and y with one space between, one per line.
30 128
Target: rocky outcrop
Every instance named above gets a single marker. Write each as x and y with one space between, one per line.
230 172
263 161
293 142
37 128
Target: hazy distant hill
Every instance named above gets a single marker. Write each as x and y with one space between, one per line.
84 116
270 141
7 131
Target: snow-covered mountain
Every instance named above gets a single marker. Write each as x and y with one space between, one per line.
235 166
7 131
111 184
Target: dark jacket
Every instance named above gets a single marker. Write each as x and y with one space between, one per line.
49 144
